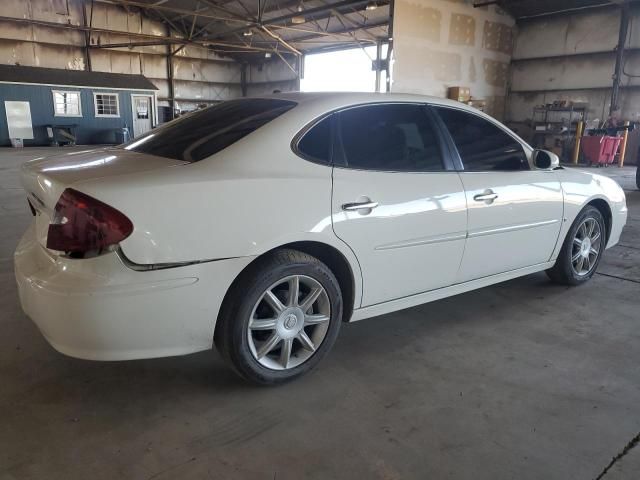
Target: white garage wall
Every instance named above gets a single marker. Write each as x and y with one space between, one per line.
444 43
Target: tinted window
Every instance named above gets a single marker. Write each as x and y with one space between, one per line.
316 143
390 137
201 134
482 145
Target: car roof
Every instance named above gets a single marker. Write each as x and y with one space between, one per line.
312 105
354 98
316 103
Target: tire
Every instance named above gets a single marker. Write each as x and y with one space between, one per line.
260 319
638 175
568 269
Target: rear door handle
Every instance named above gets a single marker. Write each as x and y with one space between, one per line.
488 196
359 206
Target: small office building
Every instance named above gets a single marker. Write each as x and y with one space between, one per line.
43 106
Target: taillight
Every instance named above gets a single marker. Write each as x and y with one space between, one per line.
83 225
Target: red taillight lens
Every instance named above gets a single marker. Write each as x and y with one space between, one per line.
82 224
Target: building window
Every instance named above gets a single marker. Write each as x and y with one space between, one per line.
66 104
107 104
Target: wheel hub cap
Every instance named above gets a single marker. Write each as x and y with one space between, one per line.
290 322
587 244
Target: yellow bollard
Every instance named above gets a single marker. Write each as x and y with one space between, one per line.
623 145
576 148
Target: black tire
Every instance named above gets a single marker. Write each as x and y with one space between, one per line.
638 175
563 272
232 332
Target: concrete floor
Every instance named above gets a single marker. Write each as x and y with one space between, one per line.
524 380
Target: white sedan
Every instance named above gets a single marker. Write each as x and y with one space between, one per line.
259 225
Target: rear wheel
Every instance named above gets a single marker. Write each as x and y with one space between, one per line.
582 249
283 315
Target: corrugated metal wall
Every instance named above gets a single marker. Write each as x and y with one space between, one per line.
572 57
200 75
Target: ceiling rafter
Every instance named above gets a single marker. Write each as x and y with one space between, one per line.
227 26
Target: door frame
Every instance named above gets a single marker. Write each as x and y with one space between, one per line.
152 104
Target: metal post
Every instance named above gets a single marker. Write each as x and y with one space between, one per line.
623 145
392 7
243 78
87 34
622 40
576 148
172 102
378 61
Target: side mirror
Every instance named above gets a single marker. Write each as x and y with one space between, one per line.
545 160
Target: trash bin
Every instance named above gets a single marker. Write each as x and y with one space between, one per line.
600 149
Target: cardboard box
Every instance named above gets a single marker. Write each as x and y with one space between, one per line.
461 94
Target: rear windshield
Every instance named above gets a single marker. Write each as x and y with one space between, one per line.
200 134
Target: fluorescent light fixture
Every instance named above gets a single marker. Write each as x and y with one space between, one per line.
298 19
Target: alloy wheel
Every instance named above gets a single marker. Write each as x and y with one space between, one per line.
289 322
586 247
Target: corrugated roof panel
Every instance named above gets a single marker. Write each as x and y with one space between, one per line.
78 78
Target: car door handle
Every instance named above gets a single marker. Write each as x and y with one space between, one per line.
359 206
486 197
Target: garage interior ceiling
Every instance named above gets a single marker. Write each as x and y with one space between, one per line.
250 28
522 9
247 29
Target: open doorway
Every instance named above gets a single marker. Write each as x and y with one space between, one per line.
343 71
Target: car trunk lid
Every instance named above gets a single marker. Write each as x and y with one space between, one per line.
44 179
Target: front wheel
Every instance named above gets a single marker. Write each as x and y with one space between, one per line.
582 249
282 317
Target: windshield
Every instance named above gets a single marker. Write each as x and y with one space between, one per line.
200 134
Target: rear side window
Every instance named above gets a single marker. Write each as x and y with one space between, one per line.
482 145
390 137
200 134
316 144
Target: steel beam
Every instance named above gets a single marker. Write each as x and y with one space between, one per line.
164 8
622 43
87 34
153 38
310 14
169 60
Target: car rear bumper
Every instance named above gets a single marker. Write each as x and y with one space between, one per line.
100 309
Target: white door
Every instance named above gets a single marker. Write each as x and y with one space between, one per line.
515 213
142 114
394 203
19 119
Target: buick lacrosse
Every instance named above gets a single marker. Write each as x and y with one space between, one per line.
260 225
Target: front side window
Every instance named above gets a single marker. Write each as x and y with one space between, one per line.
316 144
482 145
66 104
390 137
200 134
106 104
